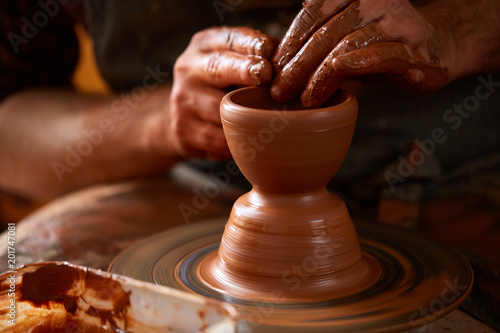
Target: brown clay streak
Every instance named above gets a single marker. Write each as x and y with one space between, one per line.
68 286
50 283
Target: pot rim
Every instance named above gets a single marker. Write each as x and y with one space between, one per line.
325 118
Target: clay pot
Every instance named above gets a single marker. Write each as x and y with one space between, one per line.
289 236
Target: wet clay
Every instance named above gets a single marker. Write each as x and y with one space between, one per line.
81 294
75 325
289 230
60 297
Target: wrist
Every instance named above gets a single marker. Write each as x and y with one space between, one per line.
442 44
467 40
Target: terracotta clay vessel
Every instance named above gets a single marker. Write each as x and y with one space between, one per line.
288 239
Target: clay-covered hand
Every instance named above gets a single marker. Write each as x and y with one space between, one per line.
331 40
215 59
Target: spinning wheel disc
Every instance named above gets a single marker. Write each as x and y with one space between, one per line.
419 280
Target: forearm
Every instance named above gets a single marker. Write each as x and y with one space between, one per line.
474 46
54 141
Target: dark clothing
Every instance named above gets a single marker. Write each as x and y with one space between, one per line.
39 47
37 44
131 35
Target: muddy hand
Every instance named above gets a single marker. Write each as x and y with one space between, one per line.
216 58
332 40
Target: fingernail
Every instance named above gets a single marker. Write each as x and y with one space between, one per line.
256 72
263 47
256 45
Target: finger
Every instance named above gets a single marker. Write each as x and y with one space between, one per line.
223 69
393 59
209 105
325 80
200 139
195 123
384 57
293 77
312 16
237 39
322 85
200 102
363 37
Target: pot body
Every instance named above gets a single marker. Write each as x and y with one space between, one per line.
284 148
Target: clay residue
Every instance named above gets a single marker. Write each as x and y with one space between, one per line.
51 284
83 294
72 326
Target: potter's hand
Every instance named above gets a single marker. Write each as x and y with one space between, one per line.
331 40
215 59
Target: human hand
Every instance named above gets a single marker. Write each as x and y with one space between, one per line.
332 40
215 59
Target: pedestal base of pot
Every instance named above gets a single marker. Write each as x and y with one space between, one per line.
304 240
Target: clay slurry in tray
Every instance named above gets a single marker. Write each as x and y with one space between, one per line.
55 285
61 297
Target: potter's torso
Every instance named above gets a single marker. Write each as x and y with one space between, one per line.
130 35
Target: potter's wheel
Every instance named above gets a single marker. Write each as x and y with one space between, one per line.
420 281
